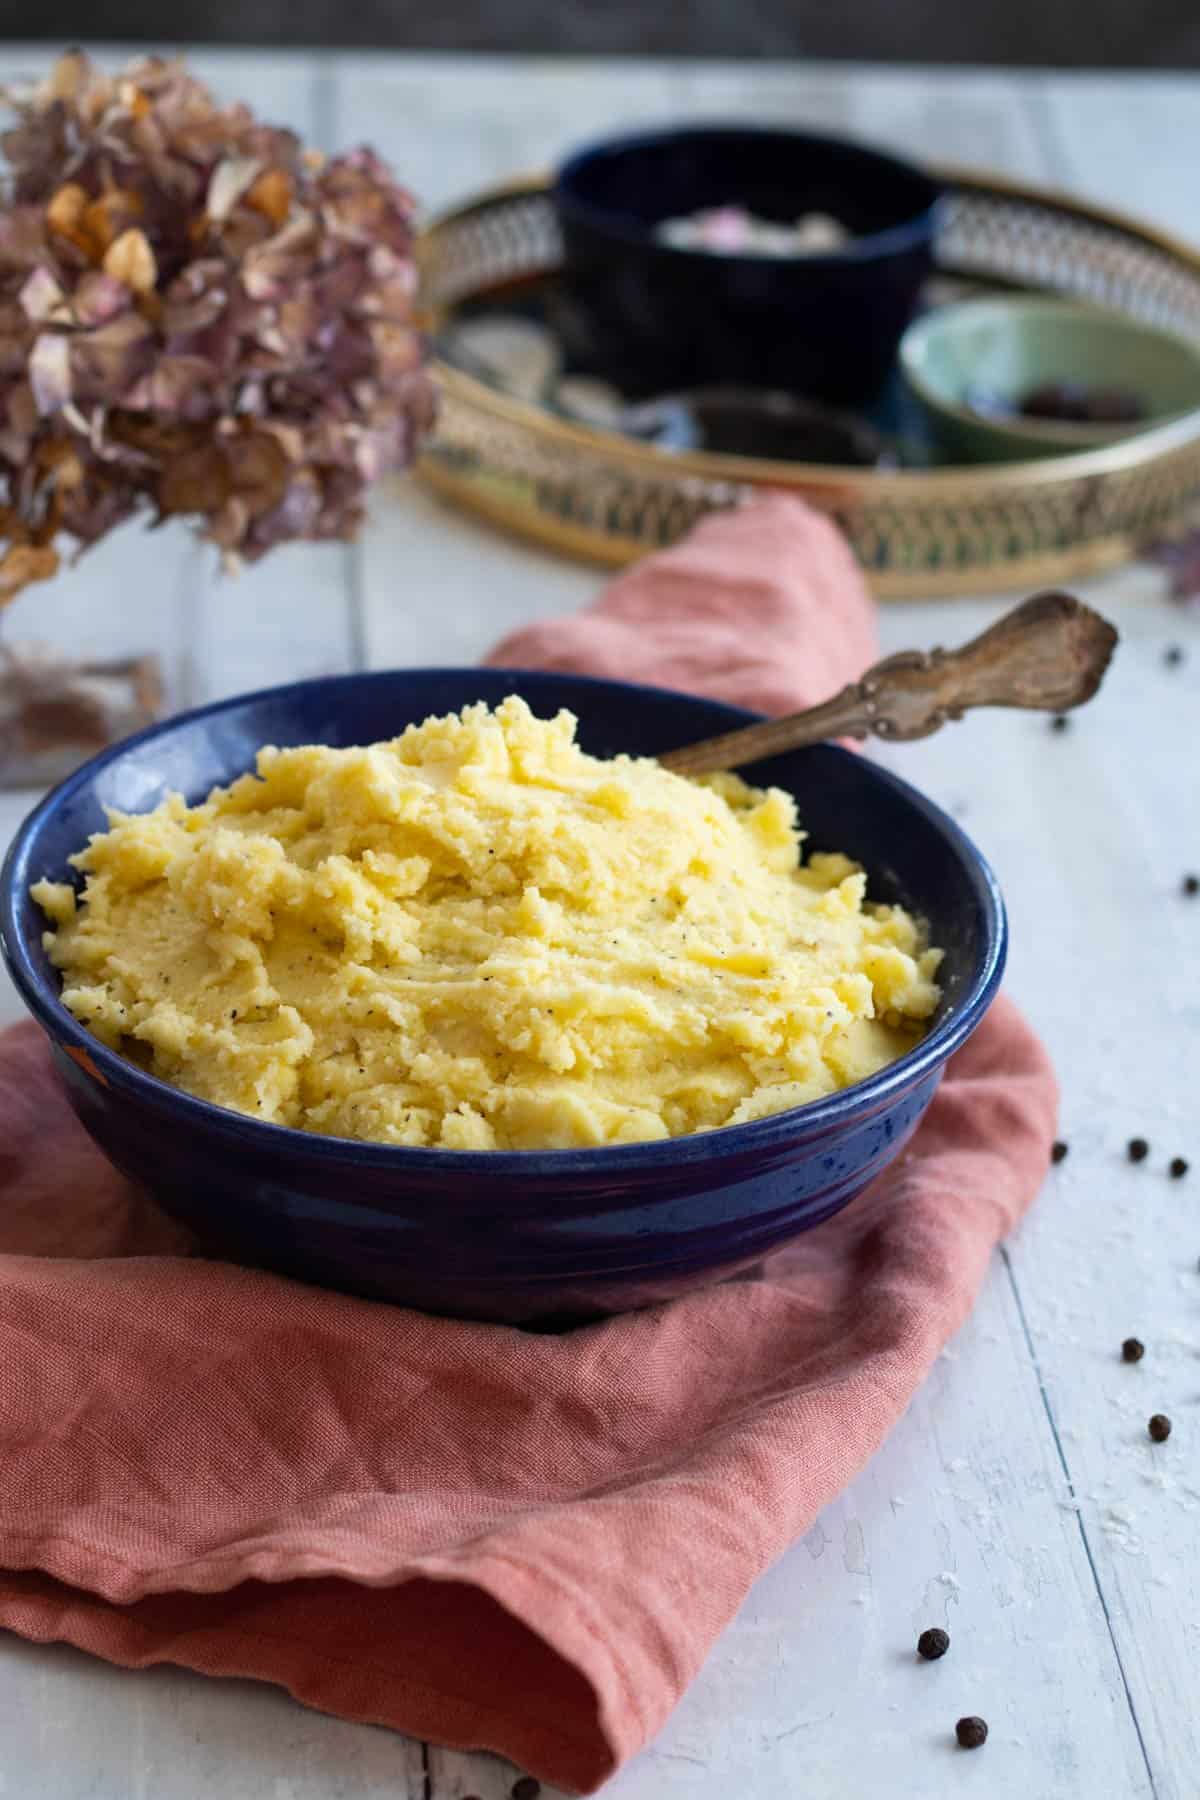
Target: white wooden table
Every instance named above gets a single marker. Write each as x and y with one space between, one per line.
1020 1502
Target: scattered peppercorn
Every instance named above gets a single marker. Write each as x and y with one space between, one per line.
1132 1350
1177 1168
1059 1151
971 1733
1059 722
1173 656
1137 1149
527 1788
1159 1428
1191 885
933 1643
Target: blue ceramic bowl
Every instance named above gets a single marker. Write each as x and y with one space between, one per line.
654 318
520 1236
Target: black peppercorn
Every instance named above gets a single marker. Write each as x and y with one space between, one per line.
971 1732
1059 722
527 1788
1159 1428
1056 400
1177 1168
1173 656
933 1643
1058 1151
1191 885
1137 1149
1132 1350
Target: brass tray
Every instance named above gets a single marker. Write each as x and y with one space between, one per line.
605 498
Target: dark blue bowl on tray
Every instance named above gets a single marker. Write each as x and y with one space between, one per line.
522 1236
653 318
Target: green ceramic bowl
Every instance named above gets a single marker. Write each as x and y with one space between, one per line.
1007 347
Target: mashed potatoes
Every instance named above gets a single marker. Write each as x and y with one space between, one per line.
479 937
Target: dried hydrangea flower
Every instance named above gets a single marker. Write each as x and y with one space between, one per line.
1180 556
196 316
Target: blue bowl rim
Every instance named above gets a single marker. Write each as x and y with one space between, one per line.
905 234
839 1109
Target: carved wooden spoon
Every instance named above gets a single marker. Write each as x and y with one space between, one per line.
1050 653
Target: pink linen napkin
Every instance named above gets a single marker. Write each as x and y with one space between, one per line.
491 1539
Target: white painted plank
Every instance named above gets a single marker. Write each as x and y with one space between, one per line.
816 1688
440 588
1091 833
783 1642
76 1729
436 590
971 116
126 597
1106 955
964 1438
286 618
449 124
282 88
1128 141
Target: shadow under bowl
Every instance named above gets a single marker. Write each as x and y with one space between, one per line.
528 1237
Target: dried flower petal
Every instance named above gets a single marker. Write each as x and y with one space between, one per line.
196 299
132 97
22 239
129 259
271 195
107 360
269 269
196 481
67 76
40 295
22 409
230 180
197 316
67 207
257 469
99 297
181 385
1180 556
23 563
109 217
50 371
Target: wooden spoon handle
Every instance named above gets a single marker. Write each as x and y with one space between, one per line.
1050 653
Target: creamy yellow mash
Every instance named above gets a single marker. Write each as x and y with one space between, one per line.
476 936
